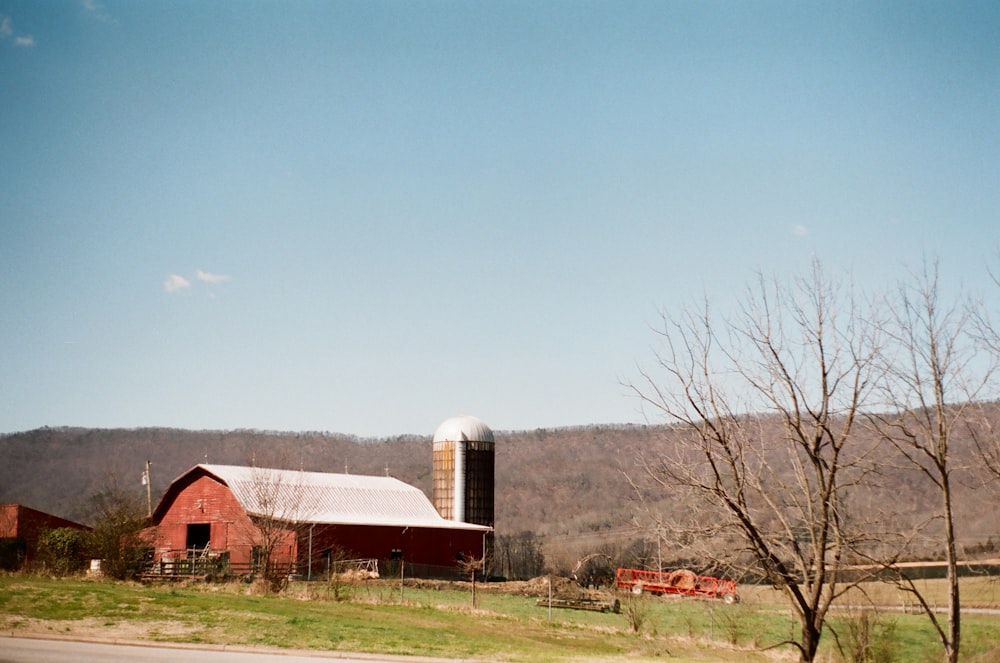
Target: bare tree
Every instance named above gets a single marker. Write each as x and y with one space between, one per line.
758 465
519 556
472 567
933 383
343 571
275 501
119 519
985 430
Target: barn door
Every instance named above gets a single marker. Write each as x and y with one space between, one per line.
198 536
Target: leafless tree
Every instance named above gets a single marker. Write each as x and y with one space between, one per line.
278 510
119 519
343 572
985 430
472 567
934 382
758 467
519 556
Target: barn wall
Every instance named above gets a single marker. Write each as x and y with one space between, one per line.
207 501
418 546
21 522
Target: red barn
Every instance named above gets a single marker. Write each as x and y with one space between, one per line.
305 520
20 527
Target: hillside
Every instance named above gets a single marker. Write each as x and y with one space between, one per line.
554 483
567 485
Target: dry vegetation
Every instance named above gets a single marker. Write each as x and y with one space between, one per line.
564 485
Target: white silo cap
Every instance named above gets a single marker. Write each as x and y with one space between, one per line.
463 428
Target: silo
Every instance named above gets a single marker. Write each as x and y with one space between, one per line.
463 470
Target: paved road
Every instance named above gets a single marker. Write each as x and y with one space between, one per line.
25 650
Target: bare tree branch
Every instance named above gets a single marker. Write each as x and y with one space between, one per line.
933 386
763 452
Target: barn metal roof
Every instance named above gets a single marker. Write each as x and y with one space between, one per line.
320 497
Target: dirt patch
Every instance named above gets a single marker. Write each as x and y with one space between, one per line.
100 629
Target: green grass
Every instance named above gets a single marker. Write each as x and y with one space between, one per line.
442 623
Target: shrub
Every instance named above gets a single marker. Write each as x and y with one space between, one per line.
866 637
63 550
636 611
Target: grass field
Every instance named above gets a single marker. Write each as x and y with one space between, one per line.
442 623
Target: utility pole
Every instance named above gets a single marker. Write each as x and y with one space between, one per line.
149 490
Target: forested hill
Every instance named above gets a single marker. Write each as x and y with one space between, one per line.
551 482
569 486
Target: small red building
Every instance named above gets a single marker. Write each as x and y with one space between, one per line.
305 520
20 527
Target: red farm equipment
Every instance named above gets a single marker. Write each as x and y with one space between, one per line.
684 583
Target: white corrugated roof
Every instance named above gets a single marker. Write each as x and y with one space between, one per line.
320 497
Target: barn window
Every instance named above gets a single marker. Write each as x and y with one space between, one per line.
198 536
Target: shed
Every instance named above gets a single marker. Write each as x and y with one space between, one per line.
20 527
306 520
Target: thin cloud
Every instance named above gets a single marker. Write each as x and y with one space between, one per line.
96 9
176 283
209 277
7 33
800 230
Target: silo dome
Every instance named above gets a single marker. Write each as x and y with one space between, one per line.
464 470
463 428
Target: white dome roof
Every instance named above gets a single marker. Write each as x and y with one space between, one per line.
463 428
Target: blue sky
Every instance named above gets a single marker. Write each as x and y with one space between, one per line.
366 217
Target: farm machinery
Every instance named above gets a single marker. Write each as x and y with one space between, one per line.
684 583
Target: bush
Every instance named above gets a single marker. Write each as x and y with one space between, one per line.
63 550
866 637
636 609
